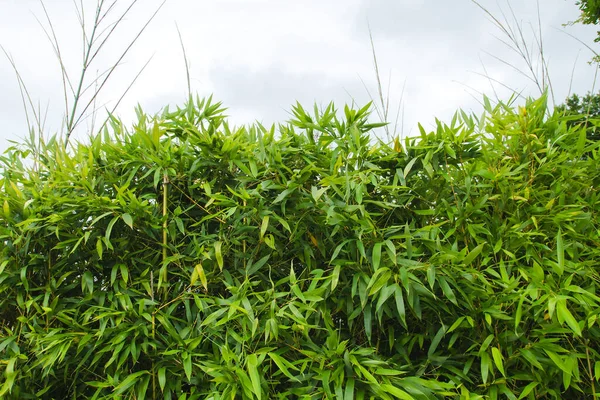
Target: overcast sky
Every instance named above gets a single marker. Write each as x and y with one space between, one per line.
261 56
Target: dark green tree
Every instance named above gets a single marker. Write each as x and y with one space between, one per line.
590 15
583 110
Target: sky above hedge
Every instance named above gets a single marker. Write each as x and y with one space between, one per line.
259 57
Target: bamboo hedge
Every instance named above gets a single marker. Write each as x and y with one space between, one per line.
182 258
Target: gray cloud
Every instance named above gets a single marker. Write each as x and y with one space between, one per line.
419 22
259 57
269 93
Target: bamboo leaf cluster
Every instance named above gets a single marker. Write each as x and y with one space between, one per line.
183 258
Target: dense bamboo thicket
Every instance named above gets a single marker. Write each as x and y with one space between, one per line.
185 259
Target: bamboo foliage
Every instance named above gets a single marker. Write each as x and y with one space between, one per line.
185 258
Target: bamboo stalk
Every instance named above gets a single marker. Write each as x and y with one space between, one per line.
164 277
164 238
153 334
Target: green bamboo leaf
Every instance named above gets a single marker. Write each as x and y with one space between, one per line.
283 365
283 195
498 246
407 234
529 356
339 390
447 290
551 306
113 274
87 281
335 277
213 316
243 167
409 166
519 312
253 267
207 188
368 321
431 276
391 249
502 388
201 275
456 324
389 372
124 273
337 250
571 364
142 388
187 365
450 150
399 297
485 366
273 327
100 217
270 241
498 360
219 254
245 380
358 195
128 220
179 224
396 392
349 392
486 343
10 376
298 293
99 248
109 228
376 255
317 193
560 252
565 315
473 254
162 378
428 168
252 362
558 361
365 373
253 168
386 292
156 134
292 274
264 226
527 389
378 280
285 224
6 209
436 341
128 382
157 177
